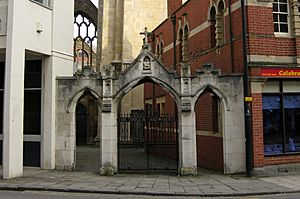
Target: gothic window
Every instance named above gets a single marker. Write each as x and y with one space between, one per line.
280 16
220 23
212 21
85 41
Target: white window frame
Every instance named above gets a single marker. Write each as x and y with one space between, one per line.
282 34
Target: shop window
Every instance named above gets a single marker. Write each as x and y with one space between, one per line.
280 16
281 122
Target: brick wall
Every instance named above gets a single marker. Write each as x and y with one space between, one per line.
261 41
257 126
206 111
210 152
173 5
200 48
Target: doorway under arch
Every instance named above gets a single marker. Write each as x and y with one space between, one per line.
148 134
209 131
87 151
81 124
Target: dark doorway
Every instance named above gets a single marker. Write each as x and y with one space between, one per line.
87 144
147 143
81 125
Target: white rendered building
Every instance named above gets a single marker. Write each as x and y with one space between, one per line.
36 39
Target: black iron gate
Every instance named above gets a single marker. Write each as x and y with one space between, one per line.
147 142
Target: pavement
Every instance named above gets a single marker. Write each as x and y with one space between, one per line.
206 184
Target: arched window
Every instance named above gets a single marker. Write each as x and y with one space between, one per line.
220 23
161 50
180 41
157 50
212 21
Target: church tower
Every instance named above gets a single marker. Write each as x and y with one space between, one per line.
122 22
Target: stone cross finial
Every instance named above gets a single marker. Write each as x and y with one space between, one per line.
147 34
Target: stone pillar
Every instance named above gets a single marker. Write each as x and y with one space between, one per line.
187 143
109 136
13 97
48 138
108 142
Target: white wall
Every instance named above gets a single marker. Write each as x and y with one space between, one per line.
55 44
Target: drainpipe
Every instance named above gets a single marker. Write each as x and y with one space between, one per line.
173 20
231 36
247 111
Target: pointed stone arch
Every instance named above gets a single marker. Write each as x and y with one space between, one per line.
229 90
147 79
215 90
88 9
139 73
74 99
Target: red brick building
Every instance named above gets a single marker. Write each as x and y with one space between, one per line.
210 31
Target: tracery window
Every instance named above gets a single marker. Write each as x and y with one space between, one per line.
85 42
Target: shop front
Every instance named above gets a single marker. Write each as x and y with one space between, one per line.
276 126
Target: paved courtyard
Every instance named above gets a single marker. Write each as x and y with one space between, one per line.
204 184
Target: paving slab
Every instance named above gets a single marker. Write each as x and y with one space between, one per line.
205 184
